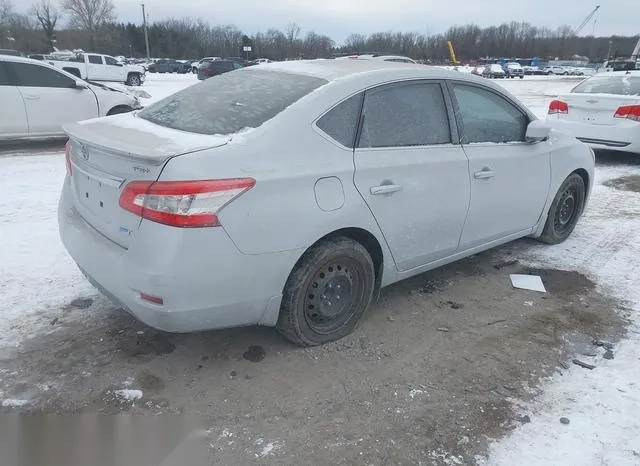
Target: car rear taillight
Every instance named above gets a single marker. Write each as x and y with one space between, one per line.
186 204
631 112
558 106
67 156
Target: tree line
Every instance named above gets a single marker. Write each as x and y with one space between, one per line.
91 25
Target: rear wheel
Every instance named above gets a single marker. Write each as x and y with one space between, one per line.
327 293
565 210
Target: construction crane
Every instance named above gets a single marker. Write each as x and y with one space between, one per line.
577 30
452 54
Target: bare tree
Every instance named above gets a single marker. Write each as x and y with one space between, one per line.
47 15
89 15
292 31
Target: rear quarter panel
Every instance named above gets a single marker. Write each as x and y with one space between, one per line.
286 156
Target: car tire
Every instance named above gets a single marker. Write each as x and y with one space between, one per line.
565 210
133 79
335 272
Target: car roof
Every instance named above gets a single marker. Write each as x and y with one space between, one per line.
332 70
18 59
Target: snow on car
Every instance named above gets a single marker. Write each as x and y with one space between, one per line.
602 111
130 180
37 99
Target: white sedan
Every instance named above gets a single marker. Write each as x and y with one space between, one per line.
37 99
602 111
288 194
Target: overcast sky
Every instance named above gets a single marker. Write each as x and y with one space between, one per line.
339 18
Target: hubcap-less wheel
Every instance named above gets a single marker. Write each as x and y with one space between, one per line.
327 292
565 210
332 294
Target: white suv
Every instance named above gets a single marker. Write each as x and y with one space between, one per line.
37 99
561 70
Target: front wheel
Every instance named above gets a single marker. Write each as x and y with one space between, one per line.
327 293
133 80
565 210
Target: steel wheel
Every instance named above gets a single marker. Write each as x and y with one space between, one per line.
327 292
332 293
565 210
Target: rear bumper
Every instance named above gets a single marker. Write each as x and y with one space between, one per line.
204 280
621 138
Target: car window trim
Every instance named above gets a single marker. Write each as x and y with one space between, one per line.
7 73
453 136
457 115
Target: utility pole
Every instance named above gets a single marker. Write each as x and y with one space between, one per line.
146 33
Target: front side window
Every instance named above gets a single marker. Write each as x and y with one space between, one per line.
230 102
95 59
484 116
28 75
110 61
341 122
408 114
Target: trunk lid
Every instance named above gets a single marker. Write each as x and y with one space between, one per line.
596 109
107 153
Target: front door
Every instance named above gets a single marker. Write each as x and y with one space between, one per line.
509 176
51 98
414 180
13 116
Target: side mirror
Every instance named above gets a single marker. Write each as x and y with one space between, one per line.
80 84
537 131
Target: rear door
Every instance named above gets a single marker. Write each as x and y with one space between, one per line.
509 176
114 69
13 114
413 178
96 70
51 98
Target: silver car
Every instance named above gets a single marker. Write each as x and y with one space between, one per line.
289 194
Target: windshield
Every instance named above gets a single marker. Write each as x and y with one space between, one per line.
231 102
620 85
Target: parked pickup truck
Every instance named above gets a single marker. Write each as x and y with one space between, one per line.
97 67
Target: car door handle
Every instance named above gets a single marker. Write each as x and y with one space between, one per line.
32 97
385 189
484 174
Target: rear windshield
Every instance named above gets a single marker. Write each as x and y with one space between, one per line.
620 85
231 102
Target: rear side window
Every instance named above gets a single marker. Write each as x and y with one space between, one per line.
341 122
4 77
484 116
28 75
110 61
231 102
411 114
620 85
221 66
95 59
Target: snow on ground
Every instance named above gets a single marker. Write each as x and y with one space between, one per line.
37 273
602 405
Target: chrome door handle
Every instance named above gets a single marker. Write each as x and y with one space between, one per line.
385 189
484 174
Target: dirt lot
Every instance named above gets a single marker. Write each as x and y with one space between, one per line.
430 370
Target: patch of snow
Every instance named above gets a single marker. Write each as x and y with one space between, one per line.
444 458
128 394
268 449
415 392
13 403
38 276
603 404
